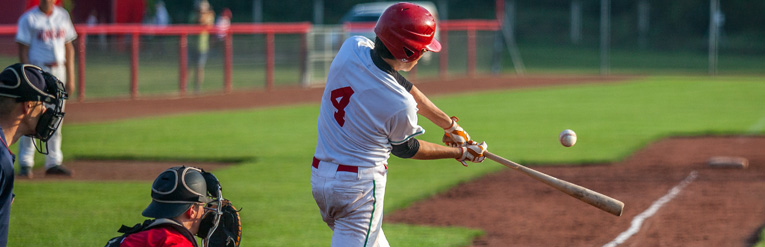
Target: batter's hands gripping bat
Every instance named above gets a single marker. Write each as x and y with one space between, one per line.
593 198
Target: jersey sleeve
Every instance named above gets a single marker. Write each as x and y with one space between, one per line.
23 34
71 33
403 126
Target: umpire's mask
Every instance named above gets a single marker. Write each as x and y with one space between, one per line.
25 82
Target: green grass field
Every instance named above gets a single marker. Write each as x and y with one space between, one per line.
272 185
761 243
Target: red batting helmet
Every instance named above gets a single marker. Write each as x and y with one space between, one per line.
407 30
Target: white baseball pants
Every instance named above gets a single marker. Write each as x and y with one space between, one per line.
351 203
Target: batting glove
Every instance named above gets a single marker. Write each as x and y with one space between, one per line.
473 151
455 136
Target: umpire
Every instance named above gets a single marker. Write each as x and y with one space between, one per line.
31 104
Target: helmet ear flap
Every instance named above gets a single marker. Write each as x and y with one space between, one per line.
54 86
213 186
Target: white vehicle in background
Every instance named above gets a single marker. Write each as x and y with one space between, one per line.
325 40
361 19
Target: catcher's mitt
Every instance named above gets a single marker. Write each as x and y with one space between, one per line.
229 230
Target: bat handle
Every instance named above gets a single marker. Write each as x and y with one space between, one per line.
499 159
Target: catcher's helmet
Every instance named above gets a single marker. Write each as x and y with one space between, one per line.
407 30
175 190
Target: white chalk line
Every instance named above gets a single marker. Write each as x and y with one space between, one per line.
637 222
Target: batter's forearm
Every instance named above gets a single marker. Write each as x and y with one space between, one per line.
429 110
430 151
23 53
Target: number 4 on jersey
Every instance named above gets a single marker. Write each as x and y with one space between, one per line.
340 99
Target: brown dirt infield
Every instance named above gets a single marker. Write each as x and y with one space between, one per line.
721 207
97 111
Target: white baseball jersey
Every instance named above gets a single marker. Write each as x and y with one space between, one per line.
364 110
46 35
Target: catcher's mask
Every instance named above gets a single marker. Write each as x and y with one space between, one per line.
176 189
211 219
25 82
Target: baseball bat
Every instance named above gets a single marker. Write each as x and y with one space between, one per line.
593 198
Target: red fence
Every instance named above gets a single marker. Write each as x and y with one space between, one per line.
269 30
183 31
471 26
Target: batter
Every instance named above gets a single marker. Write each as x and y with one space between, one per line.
368 111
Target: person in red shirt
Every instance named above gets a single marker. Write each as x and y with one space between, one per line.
179 196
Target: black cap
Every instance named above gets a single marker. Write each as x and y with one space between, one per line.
175 190
26 82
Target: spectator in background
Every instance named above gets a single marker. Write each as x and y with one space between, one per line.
204 16
92 18
45 36
161 17
92 21
223 23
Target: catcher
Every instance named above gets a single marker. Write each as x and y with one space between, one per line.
186 201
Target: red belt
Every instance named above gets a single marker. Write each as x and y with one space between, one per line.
52 65
340 168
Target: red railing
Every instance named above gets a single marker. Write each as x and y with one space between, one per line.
471 26
183 31
8 29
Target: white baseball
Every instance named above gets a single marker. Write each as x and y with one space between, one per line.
567 138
